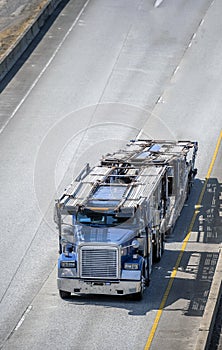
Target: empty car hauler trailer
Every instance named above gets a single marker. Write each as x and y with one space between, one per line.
113 218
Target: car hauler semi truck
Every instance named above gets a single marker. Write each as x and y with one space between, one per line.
113 218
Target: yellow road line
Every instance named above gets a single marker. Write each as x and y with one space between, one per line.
174 272
214 156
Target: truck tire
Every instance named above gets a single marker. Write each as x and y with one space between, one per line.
146 275
145 281
137 296
158 249
162 245
64 295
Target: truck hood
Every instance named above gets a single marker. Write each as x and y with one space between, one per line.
112 235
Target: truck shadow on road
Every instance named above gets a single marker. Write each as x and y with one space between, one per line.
193 282
196 268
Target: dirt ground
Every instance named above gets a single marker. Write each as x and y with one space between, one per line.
15 17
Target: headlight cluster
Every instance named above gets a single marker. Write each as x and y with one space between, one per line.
68 264
124 251
131 266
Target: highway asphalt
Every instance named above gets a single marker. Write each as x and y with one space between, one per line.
145 79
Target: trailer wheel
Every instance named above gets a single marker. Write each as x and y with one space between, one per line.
188 189
191 177
64 295
159 249
163 243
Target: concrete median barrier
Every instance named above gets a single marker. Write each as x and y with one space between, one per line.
25 36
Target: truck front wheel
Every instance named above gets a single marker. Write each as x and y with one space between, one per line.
145 281
137 296
64 295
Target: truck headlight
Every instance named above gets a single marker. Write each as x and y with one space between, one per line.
131 266
68 264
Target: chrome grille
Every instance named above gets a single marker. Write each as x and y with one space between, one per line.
99 262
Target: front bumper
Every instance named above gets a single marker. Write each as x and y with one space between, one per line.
79 286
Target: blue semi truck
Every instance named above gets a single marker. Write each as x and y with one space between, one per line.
114 217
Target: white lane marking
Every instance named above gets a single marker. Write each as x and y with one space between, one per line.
158 3
139 135
23 317
160 100
192 39
194 36
44 69
202 22
176 70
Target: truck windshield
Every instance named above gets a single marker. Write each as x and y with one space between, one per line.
103 220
